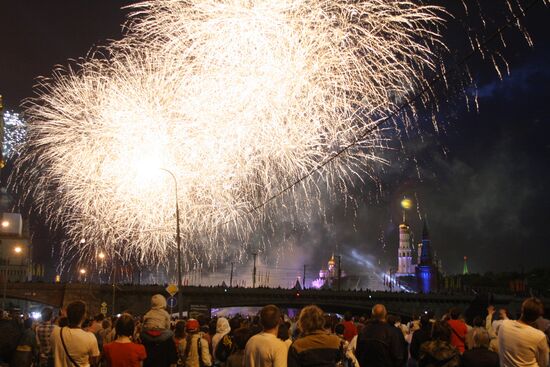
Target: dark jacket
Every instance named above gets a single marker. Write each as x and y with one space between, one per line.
380 345
420 336
318 349
437 353
480 357
160 352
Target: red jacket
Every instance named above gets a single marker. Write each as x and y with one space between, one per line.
350 330
458 334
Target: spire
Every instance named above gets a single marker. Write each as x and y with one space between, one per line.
425 233
426 252
465 268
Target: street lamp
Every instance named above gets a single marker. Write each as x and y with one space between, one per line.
178 242
101 256
17 250
82 272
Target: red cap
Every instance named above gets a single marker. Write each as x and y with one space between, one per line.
192 325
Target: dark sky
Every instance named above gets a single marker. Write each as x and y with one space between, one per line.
485 197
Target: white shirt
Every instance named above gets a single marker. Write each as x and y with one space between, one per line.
265 350
521 345
80 344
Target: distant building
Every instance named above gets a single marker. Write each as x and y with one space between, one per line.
15 249
327 276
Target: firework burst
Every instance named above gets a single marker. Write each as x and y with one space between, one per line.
237 99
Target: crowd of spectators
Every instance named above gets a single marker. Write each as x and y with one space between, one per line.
273 339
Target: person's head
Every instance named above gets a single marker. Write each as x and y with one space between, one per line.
47 314
179 329
311 319
478 321
235 323
158 302
192 326
503 313
269 317
241 336
531 309
222 326
454 313
282 332
75 313
339 329
425 321
328 323
63 321
441 331
348 316
391 319
212 326
99 317
379 312
106 324
125 325
202 320
481 338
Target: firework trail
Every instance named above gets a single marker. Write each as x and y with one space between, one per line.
237 98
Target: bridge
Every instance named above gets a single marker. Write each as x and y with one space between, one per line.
136 298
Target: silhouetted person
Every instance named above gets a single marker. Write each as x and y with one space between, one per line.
315 346
520 343
71 344
480 355
439 352
380 344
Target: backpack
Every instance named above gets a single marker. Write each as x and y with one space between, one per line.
224 348
182 355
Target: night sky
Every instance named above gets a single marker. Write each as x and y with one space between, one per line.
481 182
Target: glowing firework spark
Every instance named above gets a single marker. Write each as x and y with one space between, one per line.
14 133
237 98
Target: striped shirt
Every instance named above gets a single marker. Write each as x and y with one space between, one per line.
43 333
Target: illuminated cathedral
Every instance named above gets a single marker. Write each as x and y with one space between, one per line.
327 277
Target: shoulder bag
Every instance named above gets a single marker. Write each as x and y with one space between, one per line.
65 348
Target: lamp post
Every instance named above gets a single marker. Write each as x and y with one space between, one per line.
178 242
17 250
101 257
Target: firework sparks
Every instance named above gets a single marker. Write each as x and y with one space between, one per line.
14 133
238 99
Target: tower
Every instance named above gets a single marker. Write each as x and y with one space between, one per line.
465 268
404 253
426 270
